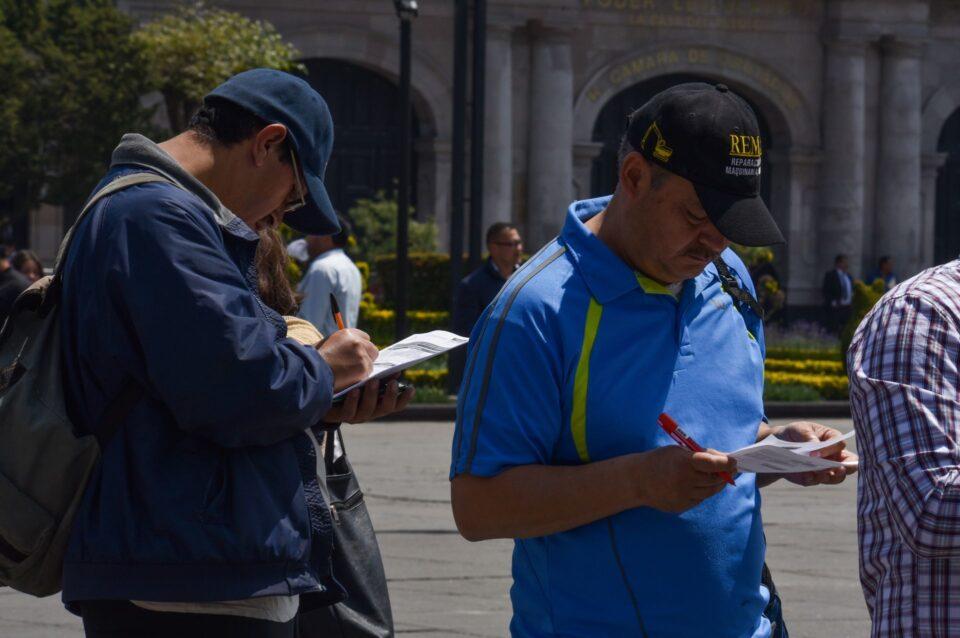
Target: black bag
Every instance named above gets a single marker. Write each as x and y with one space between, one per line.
357 564
774 610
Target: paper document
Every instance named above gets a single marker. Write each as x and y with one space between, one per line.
409 352
773 455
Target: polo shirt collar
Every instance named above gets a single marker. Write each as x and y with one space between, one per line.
605 274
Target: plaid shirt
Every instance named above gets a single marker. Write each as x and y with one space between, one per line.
904 383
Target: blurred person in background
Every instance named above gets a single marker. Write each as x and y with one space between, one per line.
297 249
27 262
884 272
837 295
12 283
331 272
478 289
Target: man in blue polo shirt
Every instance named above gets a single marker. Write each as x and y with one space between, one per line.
620 532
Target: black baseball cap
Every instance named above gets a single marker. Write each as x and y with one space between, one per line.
709 135
282 98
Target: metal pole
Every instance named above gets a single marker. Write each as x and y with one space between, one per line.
459 143
476 131
403 194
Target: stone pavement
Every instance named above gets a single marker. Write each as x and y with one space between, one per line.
443 586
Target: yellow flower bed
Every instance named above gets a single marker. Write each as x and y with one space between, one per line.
427 377
806 366
829 386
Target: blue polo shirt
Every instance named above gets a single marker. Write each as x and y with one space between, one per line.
572 363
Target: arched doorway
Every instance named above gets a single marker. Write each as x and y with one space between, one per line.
366 119
946 246
611 124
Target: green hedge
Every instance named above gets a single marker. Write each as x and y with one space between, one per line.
801 354
428 283
790 392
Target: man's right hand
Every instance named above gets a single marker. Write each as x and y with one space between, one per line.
673 479
350 354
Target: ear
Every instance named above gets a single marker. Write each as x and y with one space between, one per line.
271 221
635 175
266 141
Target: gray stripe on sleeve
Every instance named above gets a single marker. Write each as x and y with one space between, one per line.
493 350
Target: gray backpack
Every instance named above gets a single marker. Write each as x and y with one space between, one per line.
45 462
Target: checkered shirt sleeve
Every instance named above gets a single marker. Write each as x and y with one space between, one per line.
903 367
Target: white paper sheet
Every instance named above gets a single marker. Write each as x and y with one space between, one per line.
409 352
773 455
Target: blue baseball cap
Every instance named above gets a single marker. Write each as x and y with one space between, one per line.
282 98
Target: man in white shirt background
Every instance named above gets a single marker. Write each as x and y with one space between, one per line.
330 271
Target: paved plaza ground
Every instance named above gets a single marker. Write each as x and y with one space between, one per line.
442 585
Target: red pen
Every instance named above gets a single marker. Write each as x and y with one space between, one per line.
682 438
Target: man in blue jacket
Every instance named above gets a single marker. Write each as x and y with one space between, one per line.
206 515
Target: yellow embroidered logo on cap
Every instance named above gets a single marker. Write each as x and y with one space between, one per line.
745 145
660 151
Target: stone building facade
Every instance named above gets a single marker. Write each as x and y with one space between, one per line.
858 100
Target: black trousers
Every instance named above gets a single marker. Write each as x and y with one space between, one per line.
122 619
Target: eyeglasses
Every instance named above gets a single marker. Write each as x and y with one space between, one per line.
508 244
300 198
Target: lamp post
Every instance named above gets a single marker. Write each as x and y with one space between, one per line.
477 132
460 23
406 10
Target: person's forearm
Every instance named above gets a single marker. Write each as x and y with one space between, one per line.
536 500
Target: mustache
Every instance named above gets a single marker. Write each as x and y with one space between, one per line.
703 255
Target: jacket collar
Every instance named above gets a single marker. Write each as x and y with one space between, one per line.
137 150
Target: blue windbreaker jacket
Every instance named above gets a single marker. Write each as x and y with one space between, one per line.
209 490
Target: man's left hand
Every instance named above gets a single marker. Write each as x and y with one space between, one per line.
366 403
805 431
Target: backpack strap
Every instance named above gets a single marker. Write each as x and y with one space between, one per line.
51 296
732 287
116 185
131 391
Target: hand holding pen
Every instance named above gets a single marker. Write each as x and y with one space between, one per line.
682 438
675 478
375 398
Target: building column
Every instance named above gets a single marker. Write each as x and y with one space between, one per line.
898 221
433 185
498 128
930 164
840 228
46 232
583 155
796 195
550 145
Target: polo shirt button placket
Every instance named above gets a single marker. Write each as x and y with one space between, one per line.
683 330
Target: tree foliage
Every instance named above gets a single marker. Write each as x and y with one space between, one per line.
20 169
194 49
72 85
